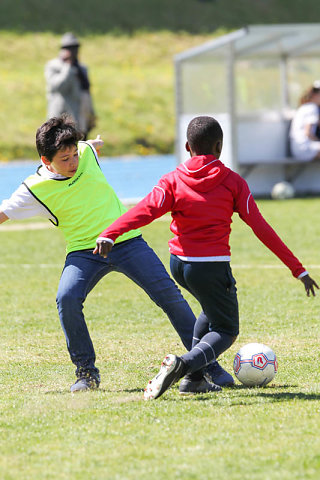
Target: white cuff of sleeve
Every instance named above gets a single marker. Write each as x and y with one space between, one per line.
303 274
104 239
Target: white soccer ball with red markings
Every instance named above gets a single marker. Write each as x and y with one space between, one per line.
255 365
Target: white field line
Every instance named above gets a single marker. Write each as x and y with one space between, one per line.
234 266
165 218
18 227
32 265
12 227
265 266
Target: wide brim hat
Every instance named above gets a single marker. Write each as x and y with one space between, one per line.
69 40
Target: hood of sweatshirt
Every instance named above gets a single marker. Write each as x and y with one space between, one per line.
202 173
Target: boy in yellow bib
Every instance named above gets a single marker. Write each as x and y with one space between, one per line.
70 190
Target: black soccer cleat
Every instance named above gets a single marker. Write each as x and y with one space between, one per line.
216 374
189 387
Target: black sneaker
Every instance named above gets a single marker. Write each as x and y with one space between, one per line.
188 386
170 372
216 374
86 381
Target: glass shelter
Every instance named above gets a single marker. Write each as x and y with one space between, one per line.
251 80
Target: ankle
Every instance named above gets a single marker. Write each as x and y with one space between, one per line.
196 376
185 367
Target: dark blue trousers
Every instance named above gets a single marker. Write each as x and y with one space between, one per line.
135 259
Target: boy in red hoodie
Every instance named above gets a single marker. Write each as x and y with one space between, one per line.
202 194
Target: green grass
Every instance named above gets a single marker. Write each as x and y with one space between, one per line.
112 434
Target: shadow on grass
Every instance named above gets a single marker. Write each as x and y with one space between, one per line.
254 395
57 392
98 390
131 390
268 387
284 396
238 395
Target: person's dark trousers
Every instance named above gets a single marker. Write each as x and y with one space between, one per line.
214 286
135 259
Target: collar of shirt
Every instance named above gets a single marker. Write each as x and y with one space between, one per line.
45 172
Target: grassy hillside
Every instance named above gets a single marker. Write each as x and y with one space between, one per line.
132 86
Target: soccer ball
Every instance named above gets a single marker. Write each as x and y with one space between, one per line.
255 365
282 191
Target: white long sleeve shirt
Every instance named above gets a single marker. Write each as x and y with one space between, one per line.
22 204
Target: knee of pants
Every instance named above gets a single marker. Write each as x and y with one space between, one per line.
68 299
167 296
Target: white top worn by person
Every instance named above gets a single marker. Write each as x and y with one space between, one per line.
304 143
22 204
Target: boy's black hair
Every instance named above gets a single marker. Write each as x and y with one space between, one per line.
203 133
56 134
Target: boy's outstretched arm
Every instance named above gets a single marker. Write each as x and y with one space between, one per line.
249 213
158 202
3 217
309 285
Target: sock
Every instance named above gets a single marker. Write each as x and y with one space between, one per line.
196 376
184 369
206 351
200 356
200 329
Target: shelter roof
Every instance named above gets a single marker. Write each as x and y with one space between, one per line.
262 40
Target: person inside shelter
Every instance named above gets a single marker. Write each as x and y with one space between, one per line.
304 134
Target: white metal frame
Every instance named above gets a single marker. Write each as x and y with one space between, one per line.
268 38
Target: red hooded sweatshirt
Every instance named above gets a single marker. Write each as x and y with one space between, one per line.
202 194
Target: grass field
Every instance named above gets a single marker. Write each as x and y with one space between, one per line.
112 434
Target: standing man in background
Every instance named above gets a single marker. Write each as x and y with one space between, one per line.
68 86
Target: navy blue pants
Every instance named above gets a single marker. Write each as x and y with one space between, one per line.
214 286
135 259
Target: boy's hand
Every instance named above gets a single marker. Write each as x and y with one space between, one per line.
97 143
309 285
103 247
